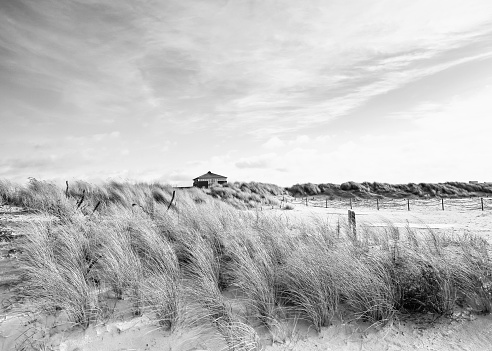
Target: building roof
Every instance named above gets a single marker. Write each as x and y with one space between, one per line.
210 175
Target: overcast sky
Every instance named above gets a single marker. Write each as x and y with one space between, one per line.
267 90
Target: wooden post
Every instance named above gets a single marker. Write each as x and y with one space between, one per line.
481 199
408 204
442 203
66 191
352 223
326 203
338 227
350 203
171 202
306 201
95 208
377 203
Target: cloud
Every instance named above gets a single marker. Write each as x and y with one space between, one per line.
301 139
11 166
90 139
261 161
372 81
119 76
273 143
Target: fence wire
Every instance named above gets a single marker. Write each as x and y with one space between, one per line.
464 204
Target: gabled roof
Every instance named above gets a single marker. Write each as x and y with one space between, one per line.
210 175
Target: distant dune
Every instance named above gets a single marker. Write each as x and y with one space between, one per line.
375 189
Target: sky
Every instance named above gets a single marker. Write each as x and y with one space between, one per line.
274 91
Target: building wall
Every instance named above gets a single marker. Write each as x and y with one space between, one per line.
205 183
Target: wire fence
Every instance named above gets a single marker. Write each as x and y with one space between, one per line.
442 204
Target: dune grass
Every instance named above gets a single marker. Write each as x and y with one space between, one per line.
376 189
180 264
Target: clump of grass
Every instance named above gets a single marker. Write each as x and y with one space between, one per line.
365 287
470 272
431 273
246 195
255 274
120 264
202 275
8 192
57 271
161 295
422 283
307 284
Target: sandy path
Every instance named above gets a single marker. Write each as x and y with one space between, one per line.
452 221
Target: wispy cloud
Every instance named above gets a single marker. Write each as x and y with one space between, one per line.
194 80
260 161
368 79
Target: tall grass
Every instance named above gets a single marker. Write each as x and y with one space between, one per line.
201 261
56 263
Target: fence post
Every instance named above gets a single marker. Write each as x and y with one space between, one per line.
481 199
338 227
377 203
326 203
442 203
306 201
171 202
350 203
352 223
408 204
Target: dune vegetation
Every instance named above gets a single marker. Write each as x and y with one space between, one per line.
375 189
192 260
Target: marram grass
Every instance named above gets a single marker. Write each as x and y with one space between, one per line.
201 261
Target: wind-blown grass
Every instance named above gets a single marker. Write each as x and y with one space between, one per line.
56 263
181 264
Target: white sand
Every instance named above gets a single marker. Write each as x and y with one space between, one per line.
452 221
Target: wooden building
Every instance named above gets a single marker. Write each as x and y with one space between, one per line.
208 179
